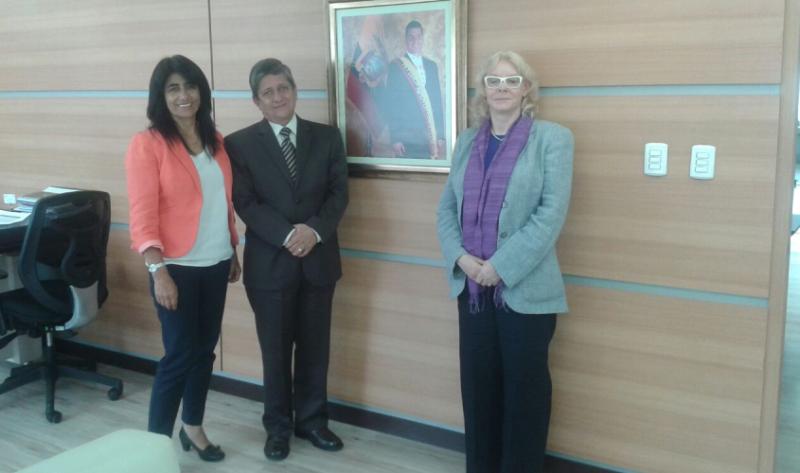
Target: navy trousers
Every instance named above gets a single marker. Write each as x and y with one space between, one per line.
505 387
190 334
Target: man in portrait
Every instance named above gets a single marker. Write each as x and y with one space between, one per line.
413 101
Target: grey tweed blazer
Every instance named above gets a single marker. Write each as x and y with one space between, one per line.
531 218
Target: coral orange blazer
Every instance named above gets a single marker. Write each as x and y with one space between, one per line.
164 194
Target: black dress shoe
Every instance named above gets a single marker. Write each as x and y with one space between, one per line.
322 438
212 453
276 448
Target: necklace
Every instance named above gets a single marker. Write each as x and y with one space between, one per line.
498 138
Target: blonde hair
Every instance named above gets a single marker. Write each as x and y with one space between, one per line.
480 108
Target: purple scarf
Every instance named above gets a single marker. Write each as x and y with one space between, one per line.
483 198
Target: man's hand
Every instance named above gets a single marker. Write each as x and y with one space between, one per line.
302 240
399 149
471 265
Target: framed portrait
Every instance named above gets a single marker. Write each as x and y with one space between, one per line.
397 82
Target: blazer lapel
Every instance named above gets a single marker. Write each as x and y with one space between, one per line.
186 161
272 149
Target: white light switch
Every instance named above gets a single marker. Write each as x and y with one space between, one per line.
702 165
9 199
655 159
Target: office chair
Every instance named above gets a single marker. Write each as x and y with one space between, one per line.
62 268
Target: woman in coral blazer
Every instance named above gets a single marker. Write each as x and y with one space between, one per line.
182 222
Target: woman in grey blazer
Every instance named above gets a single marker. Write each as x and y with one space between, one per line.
499 217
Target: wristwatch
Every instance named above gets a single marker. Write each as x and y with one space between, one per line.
153 267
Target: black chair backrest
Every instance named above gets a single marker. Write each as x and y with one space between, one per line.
66 241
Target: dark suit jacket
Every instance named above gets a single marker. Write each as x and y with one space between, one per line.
269 204
403 115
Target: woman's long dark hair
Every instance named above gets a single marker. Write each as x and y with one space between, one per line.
158 113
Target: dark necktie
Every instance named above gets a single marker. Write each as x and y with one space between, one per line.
288 153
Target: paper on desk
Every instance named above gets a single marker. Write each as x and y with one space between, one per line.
7 217
58 190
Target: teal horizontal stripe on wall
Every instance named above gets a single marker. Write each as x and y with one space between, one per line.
73 94
657 90
394 258
661 90
318 94
647 289
666 291
309 94
136 94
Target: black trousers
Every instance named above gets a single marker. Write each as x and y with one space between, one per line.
294 322
505 387
190 334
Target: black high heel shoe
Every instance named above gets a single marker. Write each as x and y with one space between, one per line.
212 453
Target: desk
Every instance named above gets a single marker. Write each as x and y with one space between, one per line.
11 236
21 349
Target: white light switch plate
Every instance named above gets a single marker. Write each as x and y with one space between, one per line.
703 160
10 199
655 159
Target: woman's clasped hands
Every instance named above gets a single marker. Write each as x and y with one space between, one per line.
480 271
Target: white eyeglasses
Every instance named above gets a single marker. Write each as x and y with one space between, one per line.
495 82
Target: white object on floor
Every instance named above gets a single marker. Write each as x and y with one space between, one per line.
123 451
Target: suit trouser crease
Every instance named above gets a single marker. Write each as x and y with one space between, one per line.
294 322
505 387
190 334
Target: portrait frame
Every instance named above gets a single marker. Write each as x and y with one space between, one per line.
383 96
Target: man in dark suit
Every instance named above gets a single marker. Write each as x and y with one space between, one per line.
413 101
290 189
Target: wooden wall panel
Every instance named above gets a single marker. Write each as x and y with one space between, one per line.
81 142
127 320
673 230
626 42
393 216
622 225
657 384
241 354
71 142
393 343
777 369
245 31
642 382
96 44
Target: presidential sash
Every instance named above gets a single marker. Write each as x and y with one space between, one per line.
411 73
